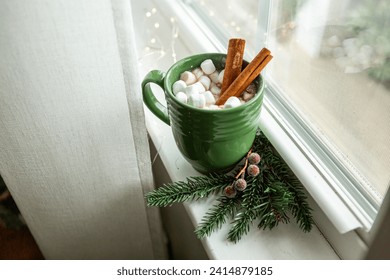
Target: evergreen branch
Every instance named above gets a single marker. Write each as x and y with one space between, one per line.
274 210
273 162
216 216
300 208
193 188
241 225
267 197
251 199
251 196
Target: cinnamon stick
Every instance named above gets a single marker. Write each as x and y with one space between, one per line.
247 76
235 55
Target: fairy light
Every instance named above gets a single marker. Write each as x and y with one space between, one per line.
158 44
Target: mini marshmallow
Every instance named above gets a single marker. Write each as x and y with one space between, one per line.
214 107
195 88
200 86
178 86
182 97
246 96
197 100
214 77
215 89
188 77
207 66
197 72
220 76
209 97
232 102
205 81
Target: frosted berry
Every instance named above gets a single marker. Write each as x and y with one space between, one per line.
253 170
240 184
230 191
254 158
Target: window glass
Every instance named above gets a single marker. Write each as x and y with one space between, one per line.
230 19
331 65
332 62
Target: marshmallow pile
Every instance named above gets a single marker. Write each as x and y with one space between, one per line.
201 88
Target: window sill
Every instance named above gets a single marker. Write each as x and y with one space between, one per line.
284 242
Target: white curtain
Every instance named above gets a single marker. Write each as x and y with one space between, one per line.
73 144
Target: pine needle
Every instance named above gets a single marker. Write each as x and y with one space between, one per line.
216 217
193 188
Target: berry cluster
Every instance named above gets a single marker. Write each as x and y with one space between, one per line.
251 168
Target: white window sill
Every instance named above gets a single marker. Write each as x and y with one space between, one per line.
286 241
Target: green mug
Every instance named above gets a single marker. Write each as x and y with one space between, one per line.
212 141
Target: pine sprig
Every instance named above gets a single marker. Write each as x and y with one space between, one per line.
300 208
270 195
193 188
241 224
216 216
274 210
251 199
274 163
252 195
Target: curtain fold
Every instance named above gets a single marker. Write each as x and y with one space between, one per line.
73 150
124 26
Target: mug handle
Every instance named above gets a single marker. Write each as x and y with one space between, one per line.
155 106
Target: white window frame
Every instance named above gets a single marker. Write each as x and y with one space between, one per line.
315 168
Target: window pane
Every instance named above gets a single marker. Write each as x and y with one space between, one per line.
332 65
230 19
332 62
